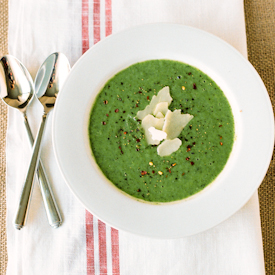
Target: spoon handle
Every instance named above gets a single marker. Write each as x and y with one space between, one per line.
50 204
21 215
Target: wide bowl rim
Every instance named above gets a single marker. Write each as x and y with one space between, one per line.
151 225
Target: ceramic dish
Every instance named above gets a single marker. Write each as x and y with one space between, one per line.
248 162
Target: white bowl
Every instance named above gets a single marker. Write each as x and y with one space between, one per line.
248 162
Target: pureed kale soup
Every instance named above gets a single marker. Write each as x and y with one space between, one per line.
118 141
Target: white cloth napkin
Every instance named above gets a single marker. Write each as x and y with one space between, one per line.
83 244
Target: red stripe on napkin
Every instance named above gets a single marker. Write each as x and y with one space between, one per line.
85 25
102 247
115 251
108 17
96 21
90 244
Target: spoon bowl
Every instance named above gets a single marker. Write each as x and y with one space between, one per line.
50 78
16 84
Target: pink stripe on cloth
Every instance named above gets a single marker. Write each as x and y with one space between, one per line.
89 219
96 20
115 251
90 243
102 247
85 25
108 17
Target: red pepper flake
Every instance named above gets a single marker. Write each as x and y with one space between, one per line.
136 105
138 140
143 173
221 143
220 137
220 125
194 86
120 149
107 114
194 143
103 122
138 190
148 97
183 174
188 149
187 158
189 73
116 110
125 133
140 92
192 163
153 171
169 170
105 102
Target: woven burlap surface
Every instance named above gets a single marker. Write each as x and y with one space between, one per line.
260 27
3 126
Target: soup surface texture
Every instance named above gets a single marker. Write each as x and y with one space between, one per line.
119 146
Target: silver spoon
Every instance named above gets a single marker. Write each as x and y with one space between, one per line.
49 79
16 90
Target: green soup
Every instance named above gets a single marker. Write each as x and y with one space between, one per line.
117 138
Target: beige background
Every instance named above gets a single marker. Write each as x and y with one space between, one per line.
260 27
3 124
